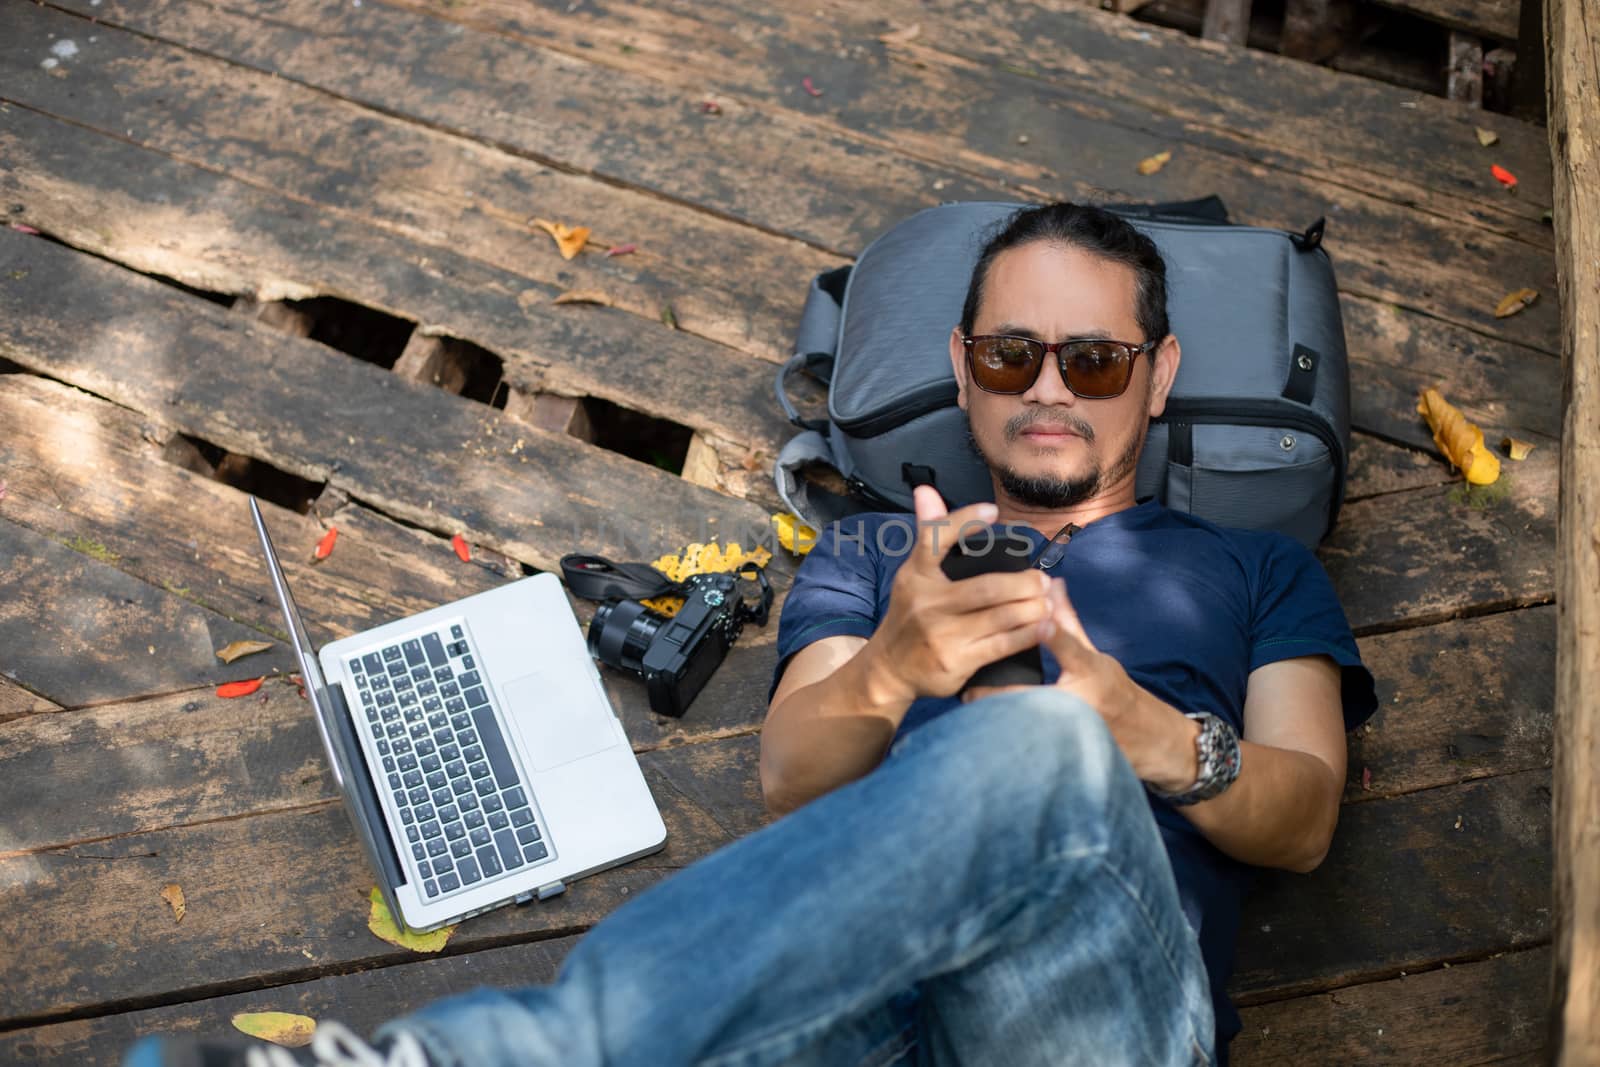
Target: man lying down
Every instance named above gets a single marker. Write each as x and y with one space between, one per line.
1042 874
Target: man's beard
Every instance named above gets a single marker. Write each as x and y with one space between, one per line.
1047 491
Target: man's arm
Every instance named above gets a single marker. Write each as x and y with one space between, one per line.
1282 809
830 722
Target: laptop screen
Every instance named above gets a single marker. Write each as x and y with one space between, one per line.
310 669
349 766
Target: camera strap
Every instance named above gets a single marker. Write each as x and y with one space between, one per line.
597 578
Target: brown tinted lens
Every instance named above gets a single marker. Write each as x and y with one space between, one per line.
1006 364
1097 369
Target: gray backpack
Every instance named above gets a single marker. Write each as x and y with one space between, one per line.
1256 431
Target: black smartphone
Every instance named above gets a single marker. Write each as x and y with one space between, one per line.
995 548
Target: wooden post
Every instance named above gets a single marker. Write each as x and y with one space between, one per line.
1464 77
1574 106
1226 20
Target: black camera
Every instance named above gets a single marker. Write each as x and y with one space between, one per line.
675 655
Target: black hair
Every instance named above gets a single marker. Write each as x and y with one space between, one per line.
1093 230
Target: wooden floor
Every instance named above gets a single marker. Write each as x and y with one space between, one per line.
159 158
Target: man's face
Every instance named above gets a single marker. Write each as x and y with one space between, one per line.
1047 447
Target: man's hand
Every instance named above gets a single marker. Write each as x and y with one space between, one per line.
937 632
1156 738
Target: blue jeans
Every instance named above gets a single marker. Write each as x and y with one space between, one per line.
996 891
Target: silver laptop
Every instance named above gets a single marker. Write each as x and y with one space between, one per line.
478 755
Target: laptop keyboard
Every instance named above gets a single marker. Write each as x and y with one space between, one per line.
465 811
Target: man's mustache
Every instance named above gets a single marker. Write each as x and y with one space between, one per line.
1061 420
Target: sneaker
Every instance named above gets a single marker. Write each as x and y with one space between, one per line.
332 1045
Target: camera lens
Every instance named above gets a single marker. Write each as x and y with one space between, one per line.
621 633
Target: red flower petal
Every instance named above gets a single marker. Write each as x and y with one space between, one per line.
463 550
812 89
229 690
325 546
622 250
1507 179
1366 778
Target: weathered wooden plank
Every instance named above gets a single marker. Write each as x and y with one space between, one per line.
82 472
1471 1013
424 184
88 927
16 702
1394 353
415 452
1479 18
1427 892
1573 92
1430 554
125 638
1388 250
1467 1014
1379 467
361 1001
154 764
765 58
212 232
1452 873
1465 699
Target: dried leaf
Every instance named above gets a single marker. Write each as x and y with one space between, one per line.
901 36
710 107
793 534
1460 441
240 649
278 1027
812 89
173 895
381 922
1516 448
753 460
668 316
1487 137
1514 302
1155 162
569 239
463 550
621 250
583 296
229 690
325 546
1505 177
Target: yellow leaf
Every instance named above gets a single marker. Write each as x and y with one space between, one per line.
569 239
901 36
279 1027
382 923
793 534
1514 302
1515 448
583 296
1154 163
1487 137
240 649
173 895
1460 441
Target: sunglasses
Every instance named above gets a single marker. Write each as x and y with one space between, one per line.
1093 369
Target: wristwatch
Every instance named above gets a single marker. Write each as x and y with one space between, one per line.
1218 748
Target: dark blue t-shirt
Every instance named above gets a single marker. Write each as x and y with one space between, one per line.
1188 608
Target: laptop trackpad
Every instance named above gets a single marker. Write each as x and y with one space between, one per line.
560 718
